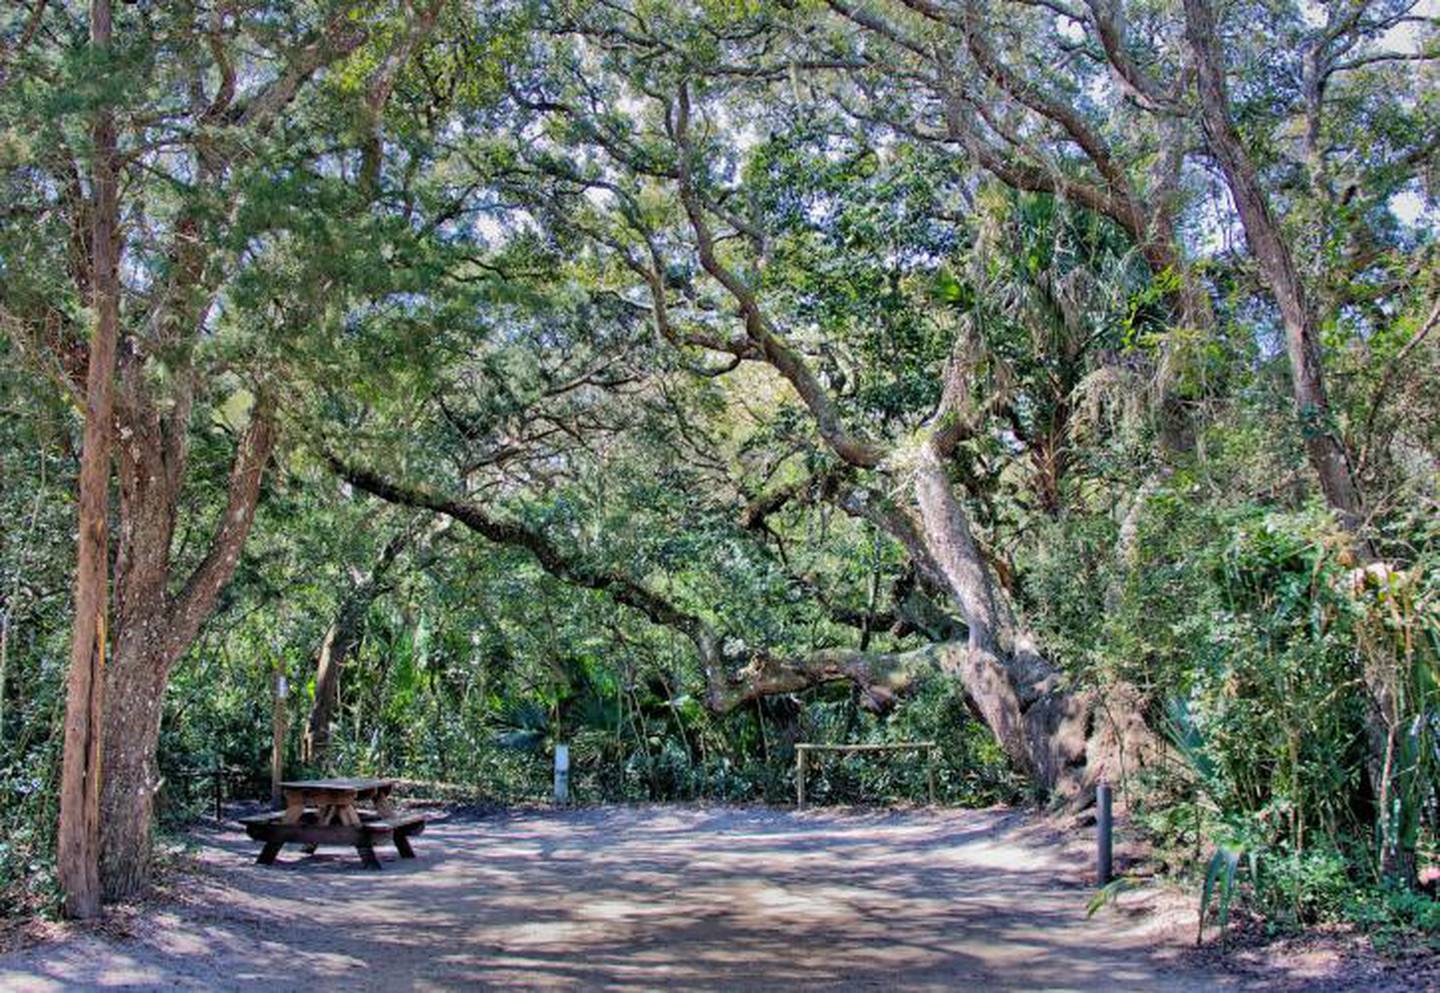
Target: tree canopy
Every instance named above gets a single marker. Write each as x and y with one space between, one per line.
1054 380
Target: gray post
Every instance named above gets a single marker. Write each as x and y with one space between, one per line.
277 742
562 774
930 774
1104 831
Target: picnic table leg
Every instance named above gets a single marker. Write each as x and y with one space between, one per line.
268 853
402 845
368 856
322 817
383 806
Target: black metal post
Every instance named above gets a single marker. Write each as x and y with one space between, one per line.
1104 831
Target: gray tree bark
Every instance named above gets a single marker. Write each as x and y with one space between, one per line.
1323 446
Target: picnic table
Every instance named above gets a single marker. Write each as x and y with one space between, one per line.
330 812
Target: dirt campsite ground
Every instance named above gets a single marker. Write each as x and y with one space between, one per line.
672 898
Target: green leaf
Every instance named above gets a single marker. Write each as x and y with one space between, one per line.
1109 893
1223 861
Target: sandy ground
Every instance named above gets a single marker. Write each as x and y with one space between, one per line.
674 898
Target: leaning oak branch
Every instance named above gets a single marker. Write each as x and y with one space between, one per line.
554 561
731 679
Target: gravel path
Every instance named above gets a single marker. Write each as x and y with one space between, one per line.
640 898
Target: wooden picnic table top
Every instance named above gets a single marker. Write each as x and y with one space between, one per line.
339 785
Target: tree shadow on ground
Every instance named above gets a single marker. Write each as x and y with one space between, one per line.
634 898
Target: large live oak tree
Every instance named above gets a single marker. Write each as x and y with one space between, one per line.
1067 740
613 154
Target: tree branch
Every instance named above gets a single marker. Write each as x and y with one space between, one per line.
550 557
772 347
881 676
196 600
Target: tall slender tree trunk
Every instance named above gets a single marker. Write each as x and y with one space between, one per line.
342 638
1326 451
1323 446
79 832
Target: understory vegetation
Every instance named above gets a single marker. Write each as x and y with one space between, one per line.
680 382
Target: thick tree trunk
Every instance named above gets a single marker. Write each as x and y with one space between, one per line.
79 838
342 638
951 543
155 626
151 465
1066 742
135 689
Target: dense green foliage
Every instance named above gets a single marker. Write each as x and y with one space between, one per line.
478 319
